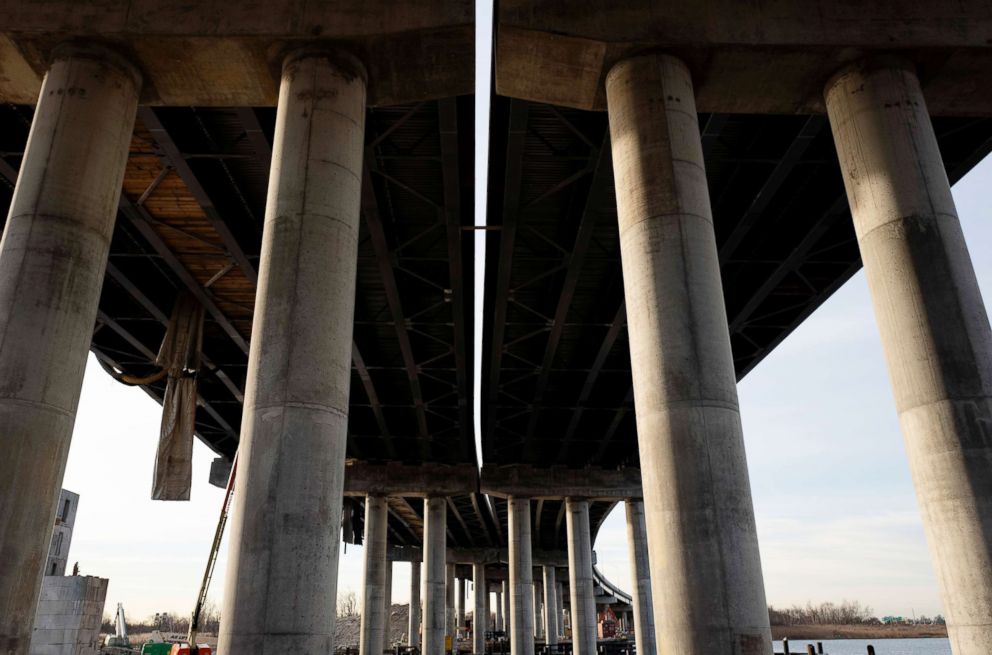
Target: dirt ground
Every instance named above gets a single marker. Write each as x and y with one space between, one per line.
799 633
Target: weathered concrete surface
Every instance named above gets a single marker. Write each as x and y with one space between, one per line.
505 596
560 52
435 535
538 600
480 613
70 610
498 622
707 586
450 617
559 482
413 631
580 579
640 573
283 558
52 259
420 481
935 330
222 54
374 606
460 602
552 611
521 577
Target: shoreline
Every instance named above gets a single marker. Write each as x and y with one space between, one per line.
805 633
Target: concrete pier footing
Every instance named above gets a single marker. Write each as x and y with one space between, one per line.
435 574
640 570
413 631
552 612
283 564
708 591
374 618
521 577
580 577
52 261
934 326
480 613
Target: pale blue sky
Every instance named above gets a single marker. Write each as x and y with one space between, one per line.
836 512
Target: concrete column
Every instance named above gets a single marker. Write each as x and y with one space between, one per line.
387 606
538 609
560 616
584 635
372 637
414 627
460 601
499 611
490 619
283 562
521 577
52 259
480 612
552 611
640 573
449 601
506 606
934 327
435 536
708 591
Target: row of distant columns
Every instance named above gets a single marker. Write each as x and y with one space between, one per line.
525 614
707 587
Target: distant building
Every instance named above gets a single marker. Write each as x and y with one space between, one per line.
70 608
65 519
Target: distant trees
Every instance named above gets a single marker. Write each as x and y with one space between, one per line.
845 613
347 604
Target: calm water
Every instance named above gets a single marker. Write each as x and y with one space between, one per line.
930 646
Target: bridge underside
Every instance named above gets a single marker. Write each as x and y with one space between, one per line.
557 392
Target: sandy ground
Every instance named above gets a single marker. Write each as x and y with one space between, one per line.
798 633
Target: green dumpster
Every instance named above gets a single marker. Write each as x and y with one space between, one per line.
156 649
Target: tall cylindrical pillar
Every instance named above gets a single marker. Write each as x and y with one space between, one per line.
560 618
498 620
373 627
435 574
414 627
552 612
387 606
480 611
935 330
52 259
521 577
584 635
538 609
506 606
460 602
707 586
449 601
640 573
283 564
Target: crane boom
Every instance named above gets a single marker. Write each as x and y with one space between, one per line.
201 599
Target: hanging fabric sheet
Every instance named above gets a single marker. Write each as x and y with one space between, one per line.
180 356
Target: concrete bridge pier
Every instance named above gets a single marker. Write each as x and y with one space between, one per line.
560 601
374 618
538 600
449 601
435 574
283 564
506 606
480 614
414 616
552 613
52 260
459 602
934 327
521 577
707 586
640 569
584 634
498 619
